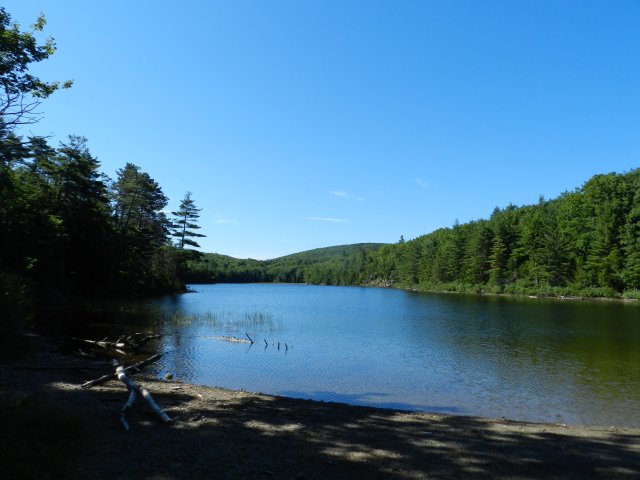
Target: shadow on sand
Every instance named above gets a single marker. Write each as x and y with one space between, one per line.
235 435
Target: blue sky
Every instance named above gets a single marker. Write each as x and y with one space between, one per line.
303 124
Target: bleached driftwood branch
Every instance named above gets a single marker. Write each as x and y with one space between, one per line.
135 368
135 389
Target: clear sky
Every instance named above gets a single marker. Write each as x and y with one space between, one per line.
304 124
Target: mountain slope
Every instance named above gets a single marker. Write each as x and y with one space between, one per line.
320 265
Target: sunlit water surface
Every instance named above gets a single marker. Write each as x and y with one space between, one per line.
539 360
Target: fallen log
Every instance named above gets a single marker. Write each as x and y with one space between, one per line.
131 342
233 339
101 343
137 340
135 368
135 389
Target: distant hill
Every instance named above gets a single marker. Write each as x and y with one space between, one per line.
318 255
321 265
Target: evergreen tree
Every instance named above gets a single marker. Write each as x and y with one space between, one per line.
184 223
477 252
141 232
80 212
631 243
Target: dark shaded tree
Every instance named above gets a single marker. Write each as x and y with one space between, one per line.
141 231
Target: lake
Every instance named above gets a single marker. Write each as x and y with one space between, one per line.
529 359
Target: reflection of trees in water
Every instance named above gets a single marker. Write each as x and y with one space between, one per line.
579 351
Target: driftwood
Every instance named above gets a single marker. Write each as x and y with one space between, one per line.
131 342
101 343
233 339
129 370
135 389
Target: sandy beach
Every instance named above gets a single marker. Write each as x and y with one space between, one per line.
223 434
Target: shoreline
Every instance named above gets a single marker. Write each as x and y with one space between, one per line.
524 296
416 289
220 433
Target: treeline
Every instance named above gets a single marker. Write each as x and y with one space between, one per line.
331 266
585 242
68 231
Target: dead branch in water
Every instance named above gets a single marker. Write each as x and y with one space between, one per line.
233 339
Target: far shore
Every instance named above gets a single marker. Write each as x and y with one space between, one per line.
512 295
414 288
219 433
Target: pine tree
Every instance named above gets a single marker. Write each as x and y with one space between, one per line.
141 228
185 222
631 242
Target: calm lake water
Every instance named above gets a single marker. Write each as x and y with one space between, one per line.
538 360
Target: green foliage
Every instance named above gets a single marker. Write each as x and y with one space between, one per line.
583 243
342 265
184 223
20 91
70 232
142 259
631 294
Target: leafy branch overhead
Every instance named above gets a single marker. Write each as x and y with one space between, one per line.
20 91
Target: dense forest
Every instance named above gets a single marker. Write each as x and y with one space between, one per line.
67 229
585 242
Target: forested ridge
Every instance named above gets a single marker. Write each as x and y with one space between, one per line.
69 231
330 265
585 242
